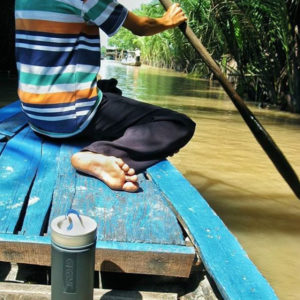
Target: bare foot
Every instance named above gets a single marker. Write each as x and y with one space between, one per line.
111 170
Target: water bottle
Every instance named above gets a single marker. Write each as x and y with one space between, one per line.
73 239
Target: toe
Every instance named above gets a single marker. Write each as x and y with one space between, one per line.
75 159
119 162
130 172
130 187
125 168
132 178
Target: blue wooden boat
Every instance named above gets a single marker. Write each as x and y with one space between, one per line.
142 233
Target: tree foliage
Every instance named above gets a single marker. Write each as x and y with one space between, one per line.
262 37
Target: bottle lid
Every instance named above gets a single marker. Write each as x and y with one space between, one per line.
73 230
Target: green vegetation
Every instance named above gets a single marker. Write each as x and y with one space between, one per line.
260 38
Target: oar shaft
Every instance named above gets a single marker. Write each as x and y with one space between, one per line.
261 135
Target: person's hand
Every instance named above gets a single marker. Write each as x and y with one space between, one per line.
142 26
174 16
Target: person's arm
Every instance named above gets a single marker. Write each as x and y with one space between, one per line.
149 26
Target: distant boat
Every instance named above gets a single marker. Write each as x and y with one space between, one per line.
131 63
131 59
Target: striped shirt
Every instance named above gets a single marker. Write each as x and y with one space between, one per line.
58 59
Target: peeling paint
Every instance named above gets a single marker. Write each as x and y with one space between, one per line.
16 205
9 169
33 200
107 212
81 188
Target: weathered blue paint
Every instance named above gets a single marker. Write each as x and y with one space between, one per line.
18 238
42 190
121 246
138 217
6 113
18 164
2 144
143 247
142 217
228 264
87 190
13 124
10 110
146 217
65 184
36 177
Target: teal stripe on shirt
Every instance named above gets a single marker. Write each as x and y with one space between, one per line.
47 5
97 9
66 78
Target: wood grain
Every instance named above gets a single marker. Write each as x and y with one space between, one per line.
10 110
135 258
18 165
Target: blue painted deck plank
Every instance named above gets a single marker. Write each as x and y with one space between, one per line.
2 145
142 247
18 165
41 193
87 189
149 216
228 264
65 184
3 141
10 110
142 217
13 124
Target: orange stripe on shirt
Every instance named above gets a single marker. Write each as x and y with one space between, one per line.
57 98
56 27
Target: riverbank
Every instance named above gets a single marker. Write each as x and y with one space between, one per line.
234 81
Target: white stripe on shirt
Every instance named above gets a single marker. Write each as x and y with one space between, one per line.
47 16
55 88
55 40
105 14
60 118
38 70
59 109
56 49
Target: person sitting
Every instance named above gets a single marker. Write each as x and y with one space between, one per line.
58 54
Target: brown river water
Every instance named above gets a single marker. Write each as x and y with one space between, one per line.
228 167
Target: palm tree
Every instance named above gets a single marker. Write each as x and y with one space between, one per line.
261 36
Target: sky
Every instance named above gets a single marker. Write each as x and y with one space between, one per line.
130 5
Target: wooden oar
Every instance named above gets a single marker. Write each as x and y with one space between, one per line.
261 135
